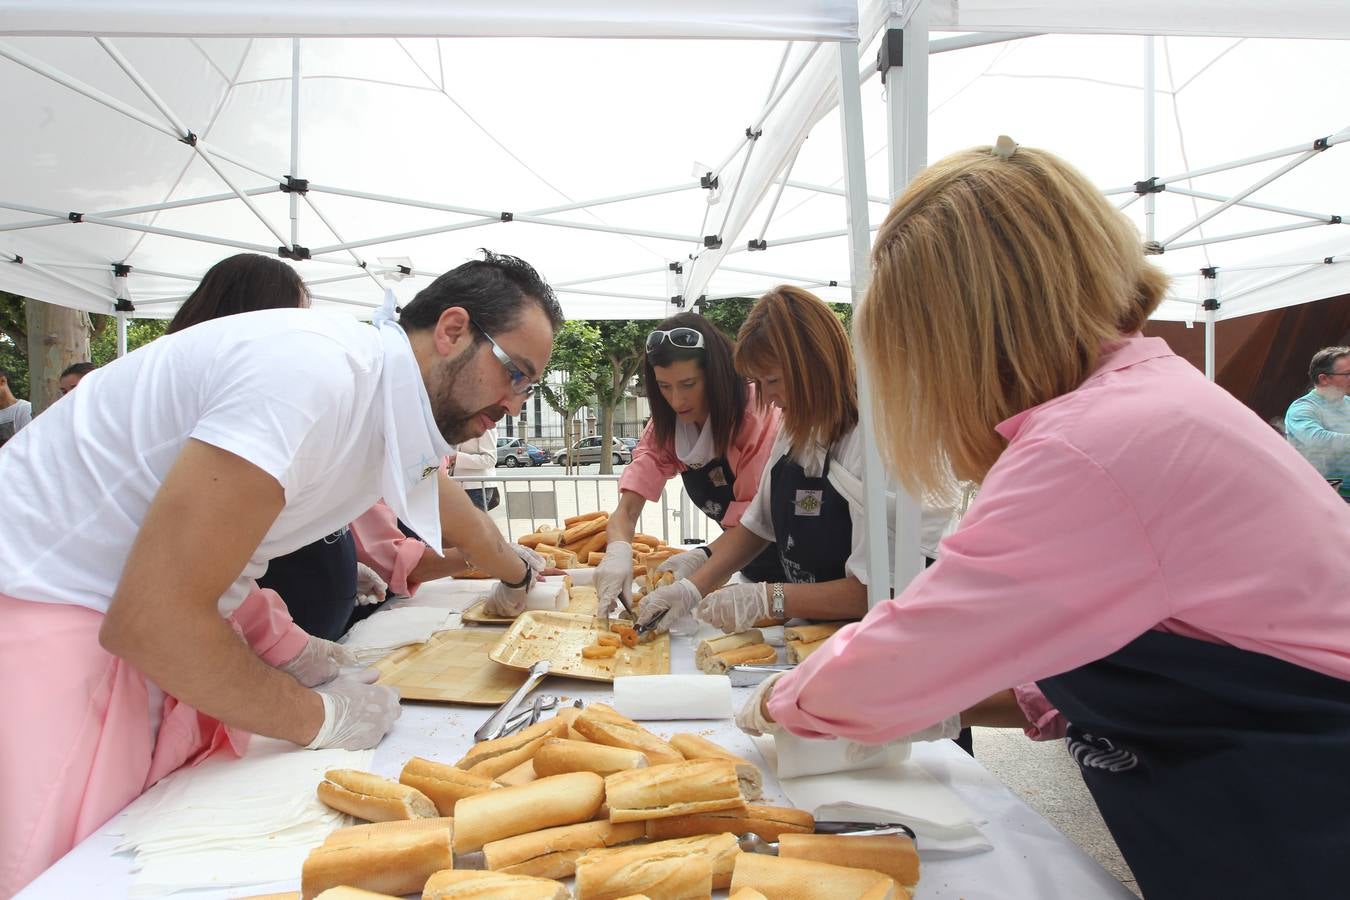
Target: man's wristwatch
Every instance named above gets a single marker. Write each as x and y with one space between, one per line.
777 602
525 579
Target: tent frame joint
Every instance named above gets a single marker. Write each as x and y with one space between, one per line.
190 139
712 242
121 270
709 181
1321 143
757 244
293 185
891 53
75 217
508 217
1149 186
676 267
677 301
296 253
124 305
752 133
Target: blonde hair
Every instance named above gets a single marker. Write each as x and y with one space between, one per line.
792 330
996 279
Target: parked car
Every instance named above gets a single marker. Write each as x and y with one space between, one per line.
537 457
630 443
511 452
587 450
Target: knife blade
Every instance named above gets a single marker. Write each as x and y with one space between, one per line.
746 675
753 843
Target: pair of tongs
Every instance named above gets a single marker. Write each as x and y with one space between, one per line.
496 724
753 843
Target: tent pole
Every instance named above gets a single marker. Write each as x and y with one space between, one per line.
1210 276
295 139
121 333
1150 136
1242 195
1259 232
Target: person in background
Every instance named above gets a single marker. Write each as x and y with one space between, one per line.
477 458
1159 576
72 374
14 413
707 427
1318 423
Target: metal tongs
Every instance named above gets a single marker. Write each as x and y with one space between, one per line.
753 843
748 674
496 724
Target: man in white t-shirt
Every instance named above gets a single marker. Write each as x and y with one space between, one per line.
14 413
141 507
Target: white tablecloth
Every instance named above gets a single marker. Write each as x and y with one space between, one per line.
1030 858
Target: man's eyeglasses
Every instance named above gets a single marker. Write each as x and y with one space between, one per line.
520 382
684 338
1336 374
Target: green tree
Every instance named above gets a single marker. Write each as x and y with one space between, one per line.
14 342
103 341
729 314
619 353
573 358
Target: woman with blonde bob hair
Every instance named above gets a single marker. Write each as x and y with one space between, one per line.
1160 572
796 352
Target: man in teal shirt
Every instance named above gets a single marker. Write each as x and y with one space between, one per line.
1318 423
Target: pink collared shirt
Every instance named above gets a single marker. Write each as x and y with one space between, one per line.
1146 498
653 466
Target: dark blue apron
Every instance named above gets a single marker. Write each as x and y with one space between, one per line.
1220 772
712 488
811 522
318 583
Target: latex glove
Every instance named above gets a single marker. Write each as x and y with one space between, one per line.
509 602
318 661
947 728
356 712
370 587
736 607
685 564
613 576
677 599
751 718
536 562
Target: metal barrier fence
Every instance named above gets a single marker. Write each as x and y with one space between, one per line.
528 501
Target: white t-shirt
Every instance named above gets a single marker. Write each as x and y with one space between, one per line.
846 476
477 456
14 417
327 406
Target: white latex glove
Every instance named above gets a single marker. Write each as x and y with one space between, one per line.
356 712
751 718
536 562
736 607
613 576
318 661
679 598
509 602
370 587
947 728
684 564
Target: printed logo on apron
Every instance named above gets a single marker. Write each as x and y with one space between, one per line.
808 503
713 510
718 476
1092 752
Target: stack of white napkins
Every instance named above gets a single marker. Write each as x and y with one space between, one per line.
374 638
664 697
893 792
231 822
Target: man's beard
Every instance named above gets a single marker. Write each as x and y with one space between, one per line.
456 423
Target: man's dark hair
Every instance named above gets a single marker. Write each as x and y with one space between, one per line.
1324 361
241 283
724 389
492 290
80 368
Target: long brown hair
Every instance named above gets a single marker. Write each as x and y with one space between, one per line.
723 389
793 330
241 283
996 280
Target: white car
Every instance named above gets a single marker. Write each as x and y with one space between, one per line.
587 450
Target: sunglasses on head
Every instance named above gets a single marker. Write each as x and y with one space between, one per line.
684 338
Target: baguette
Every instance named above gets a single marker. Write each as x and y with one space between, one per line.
720 849
391 866
471 884
553 852
596 543
676 789
718 663
585 517
713 646
602 725
671 873
691 746
559 755
593 558
556 800
351 893
746 893
800 879
769 822
798 651
488 759
521 774
406 829
373 798
582 530
531 540
444 785
809 634
891 854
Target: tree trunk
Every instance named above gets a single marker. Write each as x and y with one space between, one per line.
607 404
57 337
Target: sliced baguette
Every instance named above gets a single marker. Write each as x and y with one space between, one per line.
553 852
891 854
558 800
800 879
470 884
444 785
603 725
769 822
373 798
489 759
394 866
676 789
559 755
691 746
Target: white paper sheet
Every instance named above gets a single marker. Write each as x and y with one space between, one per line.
657 697
799 757
376 637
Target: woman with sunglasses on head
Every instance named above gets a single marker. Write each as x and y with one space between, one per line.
706 427
1158 569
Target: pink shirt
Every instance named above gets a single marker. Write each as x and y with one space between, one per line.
382 546
1147 498
653 466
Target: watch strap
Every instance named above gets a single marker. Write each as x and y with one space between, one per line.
777 602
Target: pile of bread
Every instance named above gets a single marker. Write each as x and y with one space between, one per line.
593 795
715 655
582 541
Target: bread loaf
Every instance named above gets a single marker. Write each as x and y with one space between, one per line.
746 893
798 651
489 759
373 798
769 822
396 865
691 746
470 884
891 854
602 725
799 879
750 654
559 755
553 852
713 646
672 873
585 517
557 800
521 774
720 849
675 789
351 893
407 829
443 784
809 634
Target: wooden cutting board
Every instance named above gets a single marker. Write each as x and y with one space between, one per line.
559 637
452 667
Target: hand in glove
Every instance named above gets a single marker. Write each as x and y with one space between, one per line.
736 607
536 562
370 587
675 600
318 661
356 713
685 564
947 728
613 576
508 602
751 719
